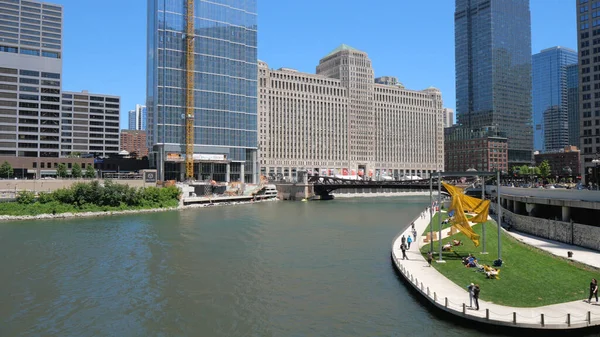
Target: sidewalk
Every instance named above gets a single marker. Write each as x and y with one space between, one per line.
453 298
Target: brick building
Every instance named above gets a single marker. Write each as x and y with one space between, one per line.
35 168
134 141
563 163
484 149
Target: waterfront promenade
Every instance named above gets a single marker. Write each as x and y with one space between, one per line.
453 298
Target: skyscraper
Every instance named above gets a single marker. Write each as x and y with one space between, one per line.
225 62
448 117
573 103
589 88
550 105
493 71
137 118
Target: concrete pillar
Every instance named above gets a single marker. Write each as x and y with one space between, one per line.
242 169
255 168
227 171
566 213
182 171
530 208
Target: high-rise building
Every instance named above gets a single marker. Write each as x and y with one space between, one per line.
37 118
340 122
589 89
573 103
90 124
550 95
493 71
30 78
137 118
448 117
225 59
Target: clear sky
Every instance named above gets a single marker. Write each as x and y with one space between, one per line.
105 41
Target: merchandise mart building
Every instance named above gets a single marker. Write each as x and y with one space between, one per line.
225 124
343 121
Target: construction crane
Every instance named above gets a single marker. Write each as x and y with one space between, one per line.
189 97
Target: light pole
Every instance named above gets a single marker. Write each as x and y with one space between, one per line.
596 161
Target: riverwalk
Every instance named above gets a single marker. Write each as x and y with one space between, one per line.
453 298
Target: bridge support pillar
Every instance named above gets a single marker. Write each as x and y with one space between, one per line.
530 209
566 213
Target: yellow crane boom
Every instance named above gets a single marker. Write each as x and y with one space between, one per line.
189 97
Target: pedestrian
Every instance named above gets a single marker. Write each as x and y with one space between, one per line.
429 258
593 290
471 288
415 235
476 291
409 241
413 226
403 248
403 239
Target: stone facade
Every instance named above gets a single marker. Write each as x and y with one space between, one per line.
342 121
567 232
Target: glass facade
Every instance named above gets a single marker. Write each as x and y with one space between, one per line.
573 103
550 98
493 70
225 78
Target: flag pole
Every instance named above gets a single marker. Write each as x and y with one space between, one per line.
483 224
439 205
431 212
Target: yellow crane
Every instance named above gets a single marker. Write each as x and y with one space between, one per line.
189 97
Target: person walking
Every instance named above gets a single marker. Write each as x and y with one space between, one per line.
403 248
593 290
415 235
409 241
476 291
429 258
403 240
471 288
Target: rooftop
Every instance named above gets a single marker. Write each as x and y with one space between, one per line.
340 48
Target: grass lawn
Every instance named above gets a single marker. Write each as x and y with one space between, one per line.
529 277
435 222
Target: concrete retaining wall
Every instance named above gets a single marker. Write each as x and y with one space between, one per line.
571 233
51 185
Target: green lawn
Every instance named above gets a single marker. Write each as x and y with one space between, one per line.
435 222
529 277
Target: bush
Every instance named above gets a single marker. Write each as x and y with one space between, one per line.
26 197
45 197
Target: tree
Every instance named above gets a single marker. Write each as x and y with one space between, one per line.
6 170
524 170
76 171
61 170
90 172
544 169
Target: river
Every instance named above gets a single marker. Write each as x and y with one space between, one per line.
267 269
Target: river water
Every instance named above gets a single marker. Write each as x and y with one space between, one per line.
267 269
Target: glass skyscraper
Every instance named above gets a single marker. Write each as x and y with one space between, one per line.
493 71
225 89
550 98
573 103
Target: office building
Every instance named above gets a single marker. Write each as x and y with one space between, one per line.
340 122
588 33
134 142
564 163
483 149
37 119
30 78
225 144
137 118
493 71
573 103
448 117
550 94
90 124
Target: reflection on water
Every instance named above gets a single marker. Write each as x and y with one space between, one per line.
268 269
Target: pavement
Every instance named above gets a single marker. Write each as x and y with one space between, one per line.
454 298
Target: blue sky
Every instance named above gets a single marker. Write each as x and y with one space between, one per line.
105 52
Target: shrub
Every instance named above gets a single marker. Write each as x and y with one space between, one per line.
45 197
26 197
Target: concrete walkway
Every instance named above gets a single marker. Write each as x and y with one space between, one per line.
453 298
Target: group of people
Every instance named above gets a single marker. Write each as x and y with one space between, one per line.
473 295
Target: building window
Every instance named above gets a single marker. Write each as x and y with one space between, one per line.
35 164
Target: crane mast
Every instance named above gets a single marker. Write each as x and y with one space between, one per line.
189 97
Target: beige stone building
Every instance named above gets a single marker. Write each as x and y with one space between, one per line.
342 121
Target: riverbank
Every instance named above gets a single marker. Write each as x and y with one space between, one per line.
69 215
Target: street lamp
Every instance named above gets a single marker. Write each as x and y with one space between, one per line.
596 161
